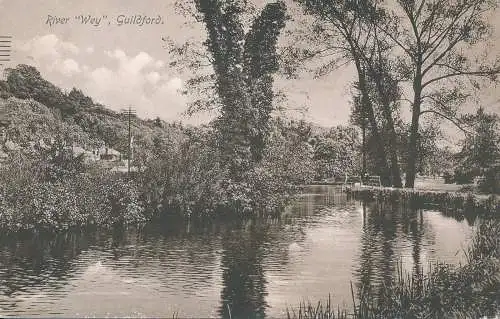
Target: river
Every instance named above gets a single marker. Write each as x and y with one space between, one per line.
322 243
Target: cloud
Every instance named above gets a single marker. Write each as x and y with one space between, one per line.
135 82
159 64
121 79
48 47
153 77
52 53
69 67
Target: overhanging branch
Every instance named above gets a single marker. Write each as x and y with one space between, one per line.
463 73
449 118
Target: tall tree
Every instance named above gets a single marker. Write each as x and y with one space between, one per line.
437 40
347 28
243 64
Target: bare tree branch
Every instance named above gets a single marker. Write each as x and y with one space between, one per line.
462 73
452 120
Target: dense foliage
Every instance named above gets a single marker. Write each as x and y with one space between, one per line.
336 153
480 151
419 47
38 192
181 169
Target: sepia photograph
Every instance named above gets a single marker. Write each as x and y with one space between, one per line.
298 159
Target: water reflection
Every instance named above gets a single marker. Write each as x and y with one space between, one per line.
389 231
244 284
251 269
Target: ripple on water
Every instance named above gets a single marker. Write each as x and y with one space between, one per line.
319 249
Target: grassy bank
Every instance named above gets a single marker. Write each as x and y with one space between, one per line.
467 291
457 204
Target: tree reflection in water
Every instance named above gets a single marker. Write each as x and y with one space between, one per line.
244 284
32 261
384 226
223 266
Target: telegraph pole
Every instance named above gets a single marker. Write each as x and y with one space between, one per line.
129 113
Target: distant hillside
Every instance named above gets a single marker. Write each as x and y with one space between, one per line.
39 110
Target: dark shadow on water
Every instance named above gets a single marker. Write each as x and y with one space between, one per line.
33 261
244 284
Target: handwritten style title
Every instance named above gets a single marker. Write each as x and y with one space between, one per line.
97 21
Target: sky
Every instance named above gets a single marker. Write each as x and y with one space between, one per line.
89 45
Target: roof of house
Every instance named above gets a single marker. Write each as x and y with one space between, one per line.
77 150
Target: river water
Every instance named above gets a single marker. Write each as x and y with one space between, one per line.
322 244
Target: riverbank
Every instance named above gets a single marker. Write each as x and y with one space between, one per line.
458 204
38 195
445 292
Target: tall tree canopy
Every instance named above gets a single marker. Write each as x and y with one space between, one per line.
348 34
243 64
428 47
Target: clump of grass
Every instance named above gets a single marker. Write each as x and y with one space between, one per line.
321 310
468 291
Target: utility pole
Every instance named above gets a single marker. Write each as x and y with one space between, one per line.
129 112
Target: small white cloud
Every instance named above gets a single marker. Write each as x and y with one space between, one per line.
159 64
69 67
102 77
138 63
117 54
69 47
90 50
153 77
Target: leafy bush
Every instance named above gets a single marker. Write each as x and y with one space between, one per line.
491 183
194 179
29 200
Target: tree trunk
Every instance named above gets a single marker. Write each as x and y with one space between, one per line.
414 140
368 111
395 170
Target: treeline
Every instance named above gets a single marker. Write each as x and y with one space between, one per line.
410 57
182 169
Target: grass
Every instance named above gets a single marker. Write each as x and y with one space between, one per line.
468 291
455 204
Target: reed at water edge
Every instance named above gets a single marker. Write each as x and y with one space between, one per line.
466 291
